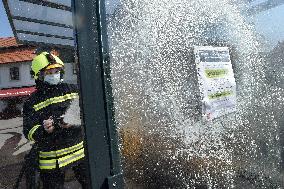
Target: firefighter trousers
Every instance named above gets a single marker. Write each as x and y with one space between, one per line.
55 179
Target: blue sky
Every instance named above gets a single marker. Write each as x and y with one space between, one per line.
5 29
270 23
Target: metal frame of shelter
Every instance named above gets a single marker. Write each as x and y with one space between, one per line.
91 47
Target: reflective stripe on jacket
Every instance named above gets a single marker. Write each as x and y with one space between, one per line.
55 100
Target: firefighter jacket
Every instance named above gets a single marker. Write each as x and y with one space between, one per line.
64 146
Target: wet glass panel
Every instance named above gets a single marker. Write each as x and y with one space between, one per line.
175 126
42 28
61 2
34 11
111 6
44 39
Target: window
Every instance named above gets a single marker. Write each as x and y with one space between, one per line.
14 73
32 77
74 68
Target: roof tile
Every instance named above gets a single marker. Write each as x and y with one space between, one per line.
12 52
9 42
17 55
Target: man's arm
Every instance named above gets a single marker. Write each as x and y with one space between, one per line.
32 128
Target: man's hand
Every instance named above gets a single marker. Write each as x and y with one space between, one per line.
48 125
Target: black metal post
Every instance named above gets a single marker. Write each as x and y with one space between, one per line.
96 94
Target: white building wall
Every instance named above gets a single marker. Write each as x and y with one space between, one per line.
69 76
25 77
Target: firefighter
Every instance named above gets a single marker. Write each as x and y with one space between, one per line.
59 144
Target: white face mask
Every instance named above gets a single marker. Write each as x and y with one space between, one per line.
53 79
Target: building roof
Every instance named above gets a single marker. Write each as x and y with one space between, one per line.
8 42
15 56
12 52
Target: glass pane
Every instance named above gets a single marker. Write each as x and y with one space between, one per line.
34 11
42 28
111 6
62 2
46 40
180 127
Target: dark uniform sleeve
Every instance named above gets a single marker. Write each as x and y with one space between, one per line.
32 128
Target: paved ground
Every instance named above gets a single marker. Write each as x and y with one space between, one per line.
13 147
